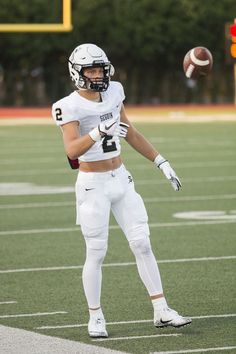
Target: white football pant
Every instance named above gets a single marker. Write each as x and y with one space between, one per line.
96 194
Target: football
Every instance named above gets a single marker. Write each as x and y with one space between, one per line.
197 62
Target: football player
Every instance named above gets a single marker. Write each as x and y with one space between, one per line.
93 120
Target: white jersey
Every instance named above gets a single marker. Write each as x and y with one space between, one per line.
90 114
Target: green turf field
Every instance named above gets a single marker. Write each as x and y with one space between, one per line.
42 251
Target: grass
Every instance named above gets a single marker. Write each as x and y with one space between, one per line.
204 157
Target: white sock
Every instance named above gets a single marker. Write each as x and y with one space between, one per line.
96 313
159 304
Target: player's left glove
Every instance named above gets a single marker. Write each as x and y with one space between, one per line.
109 128
168 171
121 130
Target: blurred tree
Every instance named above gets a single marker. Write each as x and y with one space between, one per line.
146 40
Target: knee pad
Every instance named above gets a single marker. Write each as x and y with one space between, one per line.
138 231
98 232
96 244
96 249
141 246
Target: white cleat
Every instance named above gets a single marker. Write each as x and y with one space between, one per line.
167 317
97 328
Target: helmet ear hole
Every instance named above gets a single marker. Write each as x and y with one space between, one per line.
112 70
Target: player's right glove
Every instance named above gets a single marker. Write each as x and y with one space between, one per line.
111 128
168 171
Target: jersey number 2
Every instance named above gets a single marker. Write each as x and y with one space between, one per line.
107 145
58 114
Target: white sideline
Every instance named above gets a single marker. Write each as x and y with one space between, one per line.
228 315
124 264
14 340
202 350
8 302
115 227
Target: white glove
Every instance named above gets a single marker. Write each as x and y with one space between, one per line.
121 130
168 171
111 128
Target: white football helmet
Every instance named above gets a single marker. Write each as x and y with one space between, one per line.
87 56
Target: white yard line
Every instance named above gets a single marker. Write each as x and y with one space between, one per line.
189 180
189 198
34 314
39 231
8 302
55 171
15 340
124 264
128 155
136 337
54 146
195 164
146 200
134 322
182 154
199 350
191 141
190 223
43 160
115 227
202 259
26 188
33 172
37 205
199 141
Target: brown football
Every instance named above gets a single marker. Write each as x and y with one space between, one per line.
197 62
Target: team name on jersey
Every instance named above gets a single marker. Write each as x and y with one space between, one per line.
106 116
